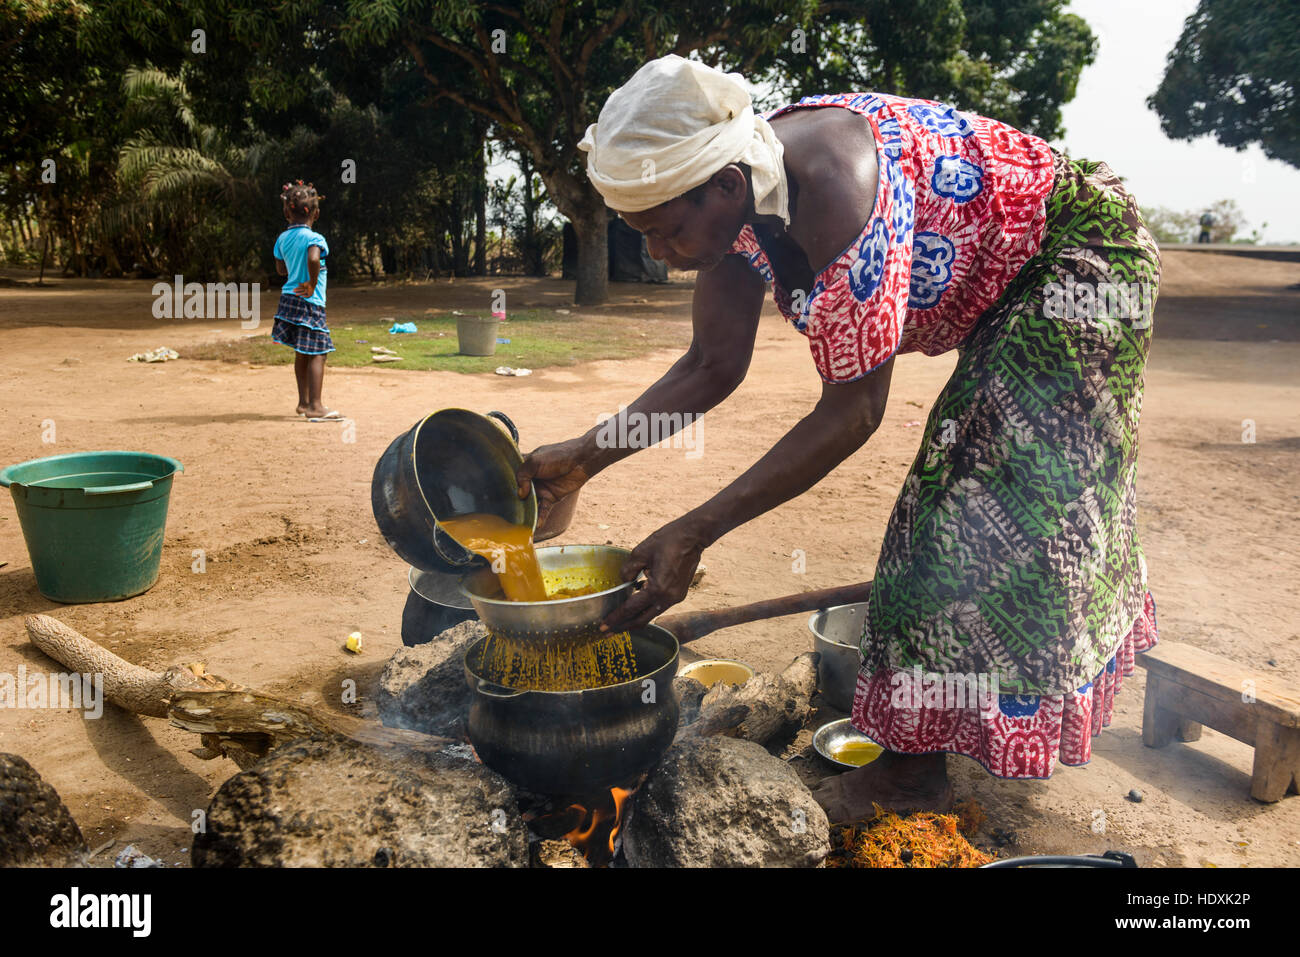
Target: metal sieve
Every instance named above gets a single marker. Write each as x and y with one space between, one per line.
560 619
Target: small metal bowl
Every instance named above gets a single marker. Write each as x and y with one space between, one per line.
828 738
734 672
560 619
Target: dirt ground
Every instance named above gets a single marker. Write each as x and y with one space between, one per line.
281 509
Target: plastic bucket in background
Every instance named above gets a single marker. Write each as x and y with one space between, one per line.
93 521
476 336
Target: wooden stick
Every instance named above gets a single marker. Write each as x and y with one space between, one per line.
688 626
137 689
252 723
238 722
763 707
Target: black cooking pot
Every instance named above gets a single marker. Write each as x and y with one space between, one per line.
450 463
434 604
578 742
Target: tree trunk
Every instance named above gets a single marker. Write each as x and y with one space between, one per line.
480 195
480 218
579 200
593 258
530 252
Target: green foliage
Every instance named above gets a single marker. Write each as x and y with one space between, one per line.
1235 73
1173 226
1014 60
180 165
174 173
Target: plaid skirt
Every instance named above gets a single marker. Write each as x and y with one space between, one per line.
301 325
1012 555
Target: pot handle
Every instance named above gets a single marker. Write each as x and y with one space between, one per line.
505 420
491 690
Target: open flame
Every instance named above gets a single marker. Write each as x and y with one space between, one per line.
596 835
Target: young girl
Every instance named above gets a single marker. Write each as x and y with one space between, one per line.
300 254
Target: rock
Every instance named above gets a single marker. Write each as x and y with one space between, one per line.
725 802
423 688
689 695
1135 796
36 829
336 803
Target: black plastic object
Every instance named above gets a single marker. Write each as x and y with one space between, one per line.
1109 859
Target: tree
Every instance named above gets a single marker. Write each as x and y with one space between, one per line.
1235 74
174 173
1017 61
544 70
1173 226
60 95
538 71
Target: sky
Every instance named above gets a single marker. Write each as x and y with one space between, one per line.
1109 120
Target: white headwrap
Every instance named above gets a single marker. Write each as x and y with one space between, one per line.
672 126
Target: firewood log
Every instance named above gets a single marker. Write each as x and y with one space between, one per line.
128 686
764 707
231 720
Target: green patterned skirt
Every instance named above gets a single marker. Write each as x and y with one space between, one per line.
1012 551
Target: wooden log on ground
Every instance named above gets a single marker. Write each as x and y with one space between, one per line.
137 689
239 723
232 720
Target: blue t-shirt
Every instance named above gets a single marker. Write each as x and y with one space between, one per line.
291 246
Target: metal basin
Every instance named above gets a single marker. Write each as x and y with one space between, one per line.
578 742
836 633
831 736
434 604
563 566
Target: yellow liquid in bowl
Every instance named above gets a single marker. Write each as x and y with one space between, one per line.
538 665
856 753
711 672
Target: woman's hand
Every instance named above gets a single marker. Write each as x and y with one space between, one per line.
669 558
555 471
305 289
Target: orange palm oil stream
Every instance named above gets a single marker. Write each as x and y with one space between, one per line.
508 547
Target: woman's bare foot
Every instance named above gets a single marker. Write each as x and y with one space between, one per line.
302 408
897 782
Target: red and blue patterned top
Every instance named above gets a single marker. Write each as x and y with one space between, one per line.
959 210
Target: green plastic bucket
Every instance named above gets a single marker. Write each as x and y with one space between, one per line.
93 521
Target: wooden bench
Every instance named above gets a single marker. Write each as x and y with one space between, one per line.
1188 688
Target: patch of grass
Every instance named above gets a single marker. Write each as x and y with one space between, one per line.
539 338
